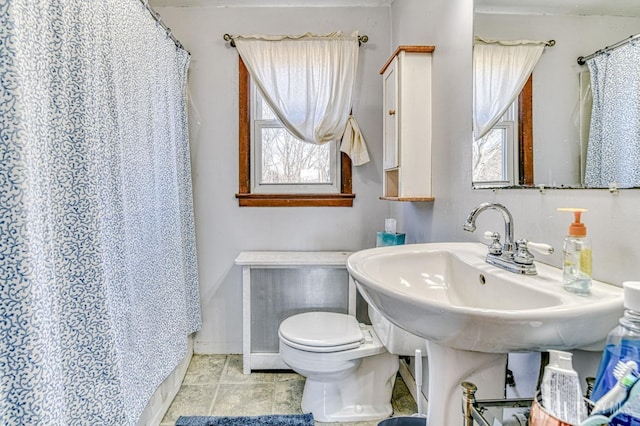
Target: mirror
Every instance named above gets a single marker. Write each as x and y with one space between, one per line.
560 107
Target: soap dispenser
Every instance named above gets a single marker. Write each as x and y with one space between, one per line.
576 268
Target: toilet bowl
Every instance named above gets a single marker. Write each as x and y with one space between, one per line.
349 372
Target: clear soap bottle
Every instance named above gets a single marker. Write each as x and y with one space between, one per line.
576 268
623 342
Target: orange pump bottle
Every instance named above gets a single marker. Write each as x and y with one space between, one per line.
576 267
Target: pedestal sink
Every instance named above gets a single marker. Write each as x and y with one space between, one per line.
473 313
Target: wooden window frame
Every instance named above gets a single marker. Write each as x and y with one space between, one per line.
244 195
525 133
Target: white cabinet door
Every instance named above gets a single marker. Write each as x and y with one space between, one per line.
390 123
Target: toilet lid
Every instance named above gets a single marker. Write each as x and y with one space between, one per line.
322 330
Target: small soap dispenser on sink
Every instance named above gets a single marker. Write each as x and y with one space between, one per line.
576 267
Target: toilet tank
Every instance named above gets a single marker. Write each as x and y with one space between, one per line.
396 340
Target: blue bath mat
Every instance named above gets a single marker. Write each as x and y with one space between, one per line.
269 420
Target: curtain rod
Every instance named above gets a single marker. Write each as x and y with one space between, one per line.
549 43
228 37
583 59
155 15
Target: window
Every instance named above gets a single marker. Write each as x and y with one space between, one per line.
283 164
277 170
504 156
494 155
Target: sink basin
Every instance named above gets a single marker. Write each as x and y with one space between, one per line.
448 294
472 314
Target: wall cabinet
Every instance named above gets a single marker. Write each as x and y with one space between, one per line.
407 124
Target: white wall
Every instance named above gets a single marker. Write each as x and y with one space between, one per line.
222 228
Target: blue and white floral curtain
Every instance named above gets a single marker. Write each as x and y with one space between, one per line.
98 274
613 153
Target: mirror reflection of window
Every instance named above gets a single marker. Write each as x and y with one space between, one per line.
495 155
501 72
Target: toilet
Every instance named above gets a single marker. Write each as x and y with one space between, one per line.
350 368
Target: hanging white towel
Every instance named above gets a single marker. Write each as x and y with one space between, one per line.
353 143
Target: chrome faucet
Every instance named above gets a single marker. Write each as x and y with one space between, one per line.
511 256
470 224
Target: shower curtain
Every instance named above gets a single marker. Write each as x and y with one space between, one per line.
613 153
98 276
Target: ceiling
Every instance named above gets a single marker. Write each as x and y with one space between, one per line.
573 7
271 3
561 7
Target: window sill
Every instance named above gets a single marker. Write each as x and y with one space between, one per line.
409 199
295 200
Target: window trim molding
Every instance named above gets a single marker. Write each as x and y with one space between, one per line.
525 133
248 199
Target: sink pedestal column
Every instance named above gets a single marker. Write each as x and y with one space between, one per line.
447 368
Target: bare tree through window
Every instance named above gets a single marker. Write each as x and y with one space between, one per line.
286 159
488 157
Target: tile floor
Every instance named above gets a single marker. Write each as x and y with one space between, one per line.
215 385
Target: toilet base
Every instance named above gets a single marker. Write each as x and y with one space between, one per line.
362 396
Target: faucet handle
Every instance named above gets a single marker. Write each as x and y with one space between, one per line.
541 248
495 247
524 257
522 254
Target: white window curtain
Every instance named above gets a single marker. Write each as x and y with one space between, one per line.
308 81
500 71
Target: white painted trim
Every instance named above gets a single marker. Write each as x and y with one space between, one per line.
267 361
406 375
283 259
246 319
280 260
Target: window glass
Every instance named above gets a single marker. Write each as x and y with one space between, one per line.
285 164
286 159
495 156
